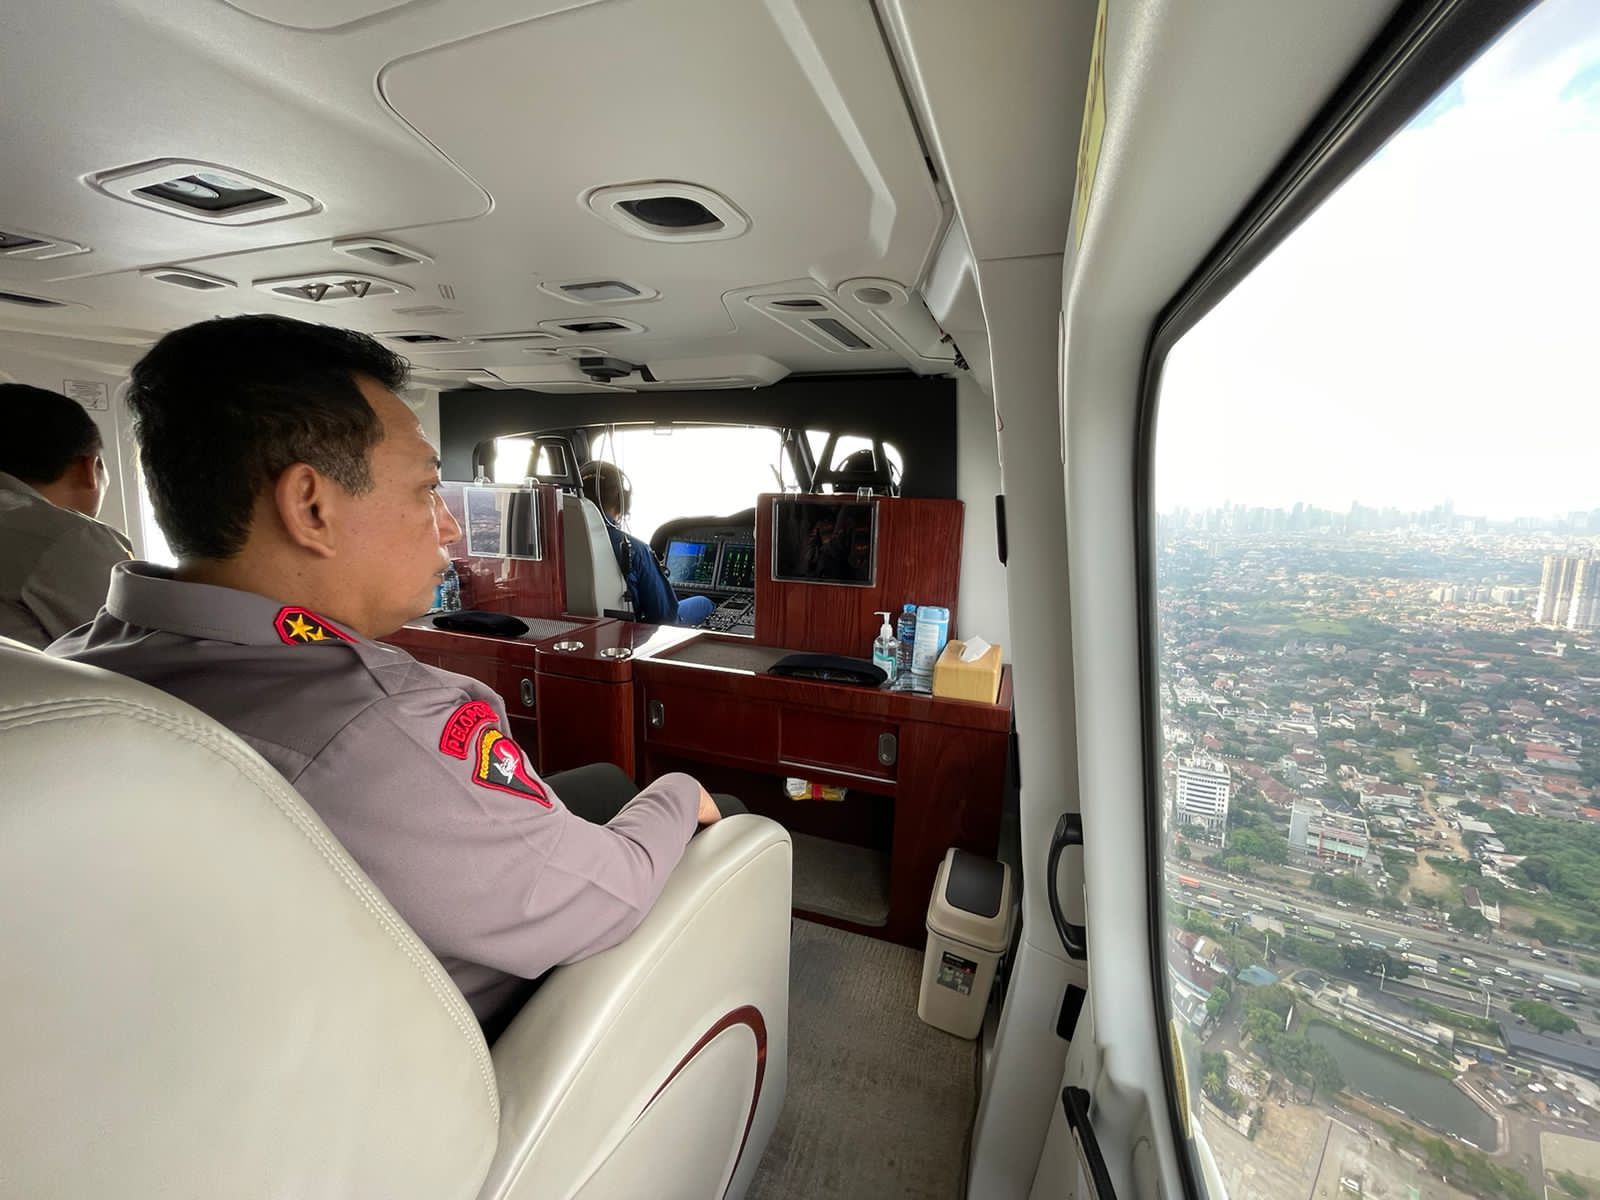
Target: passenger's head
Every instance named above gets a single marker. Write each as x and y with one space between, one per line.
53 446
608 487
280 460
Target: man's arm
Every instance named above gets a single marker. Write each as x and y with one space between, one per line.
444 812
658 603
68 584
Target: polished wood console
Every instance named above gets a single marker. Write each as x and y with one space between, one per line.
923 774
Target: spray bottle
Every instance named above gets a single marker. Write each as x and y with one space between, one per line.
886 648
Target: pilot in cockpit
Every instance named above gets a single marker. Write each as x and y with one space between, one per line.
654 599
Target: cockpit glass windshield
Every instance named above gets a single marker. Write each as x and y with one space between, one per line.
692 470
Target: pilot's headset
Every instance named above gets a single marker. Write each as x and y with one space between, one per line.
607 485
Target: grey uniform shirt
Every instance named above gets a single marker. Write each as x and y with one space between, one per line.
414 771
54 565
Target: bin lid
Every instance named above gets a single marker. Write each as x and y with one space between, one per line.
971 901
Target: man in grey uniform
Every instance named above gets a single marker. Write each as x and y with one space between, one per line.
55 558
308 523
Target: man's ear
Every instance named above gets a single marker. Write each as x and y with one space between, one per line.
307 505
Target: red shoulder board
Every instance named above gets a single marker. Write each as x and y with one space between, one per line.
302 627
500 765
456 740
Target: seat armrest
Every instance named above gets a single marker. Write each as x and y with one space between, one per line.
658 1067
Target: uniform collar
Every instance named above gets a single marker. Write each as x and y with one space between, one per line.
149 596
10 483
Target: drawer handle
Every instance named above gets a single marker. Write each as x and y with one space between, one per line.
526 688
888 749
656 714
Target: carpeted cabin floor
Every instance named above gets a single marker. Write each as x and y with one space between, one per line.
879 1104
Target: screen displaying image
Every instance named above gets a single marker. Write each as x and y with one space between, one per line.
738 567
692 564
502 522
824 541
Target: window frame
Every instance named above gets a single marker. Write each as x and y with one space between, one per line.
1419 52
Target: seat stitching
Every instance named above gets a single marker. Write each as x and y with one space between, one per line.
22 716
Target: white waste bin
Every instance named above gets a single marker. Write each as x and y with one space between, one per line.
969 928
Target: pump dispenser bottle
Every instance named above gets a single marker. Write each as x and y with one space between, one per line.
886 649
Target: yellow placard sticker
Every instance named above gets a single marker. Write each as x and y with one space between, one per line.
1180 1075
1093 131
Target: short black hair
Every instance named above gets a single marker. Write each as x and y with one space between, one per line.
45 433
222 408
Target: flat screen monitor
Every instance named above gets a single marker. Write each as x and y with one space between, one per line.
502 522
738 570
692 564
820 540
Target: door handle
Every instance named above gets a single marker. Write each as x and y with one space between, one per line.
656 714
1075 1101
888 749
526 689
1069 832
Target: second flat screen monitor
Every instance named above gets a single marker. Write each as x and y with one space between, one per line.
824 541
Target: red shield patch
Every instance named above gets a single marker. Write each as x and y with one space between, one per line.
500 765
302 627
456 740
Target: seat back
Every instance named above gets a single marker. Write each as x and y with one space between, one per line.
204 994
594 581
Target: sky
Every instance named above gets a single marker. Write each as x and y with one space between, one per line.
1431 332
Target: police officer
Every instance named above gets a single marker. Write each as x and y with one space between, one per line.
55 558
300 496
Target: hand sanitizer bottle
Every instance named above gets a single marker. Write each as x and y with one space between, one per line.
886 649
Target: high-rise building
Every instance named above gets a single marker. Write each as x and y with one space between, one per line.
1584 611
1559 584
1203 788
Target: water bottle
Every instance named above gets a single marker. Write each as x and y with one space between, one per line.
933 631
450 590
906 635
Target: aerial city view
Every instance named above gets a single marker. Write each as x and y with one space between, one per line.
1381 777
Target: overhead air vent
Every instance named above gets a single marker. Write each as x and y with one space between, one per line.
330 287
523 335
583 327
600 291
200 191
666 211
26 301
195 281
840 332
380 253
418 337
14 243
818 319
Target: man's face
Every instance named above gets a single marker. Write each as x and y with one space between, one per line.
391 539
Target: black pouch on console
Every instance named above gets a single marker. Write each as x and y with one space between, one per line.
472 620
830 668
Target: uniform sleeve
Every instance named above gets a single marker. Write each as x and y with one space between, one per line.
443 811
658 604
69 582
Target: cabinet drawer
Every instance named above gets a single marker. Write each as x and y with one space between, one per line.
691 720
859 745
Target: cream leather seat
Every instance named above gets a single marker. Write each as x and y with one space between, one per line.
205 996
595 586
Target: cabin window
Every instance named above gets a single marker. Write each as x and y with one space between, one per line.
515 460
847 445
1377 576
692 470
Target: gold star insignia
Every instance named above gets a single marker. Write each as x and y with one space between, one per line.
303 630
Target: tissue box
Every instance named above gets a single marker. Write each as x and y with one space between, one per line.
976 680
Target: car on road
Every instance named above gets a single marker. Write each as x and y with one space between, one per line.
1429 969
1467 962
1501 971
1342 903
1485 981
1538 954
